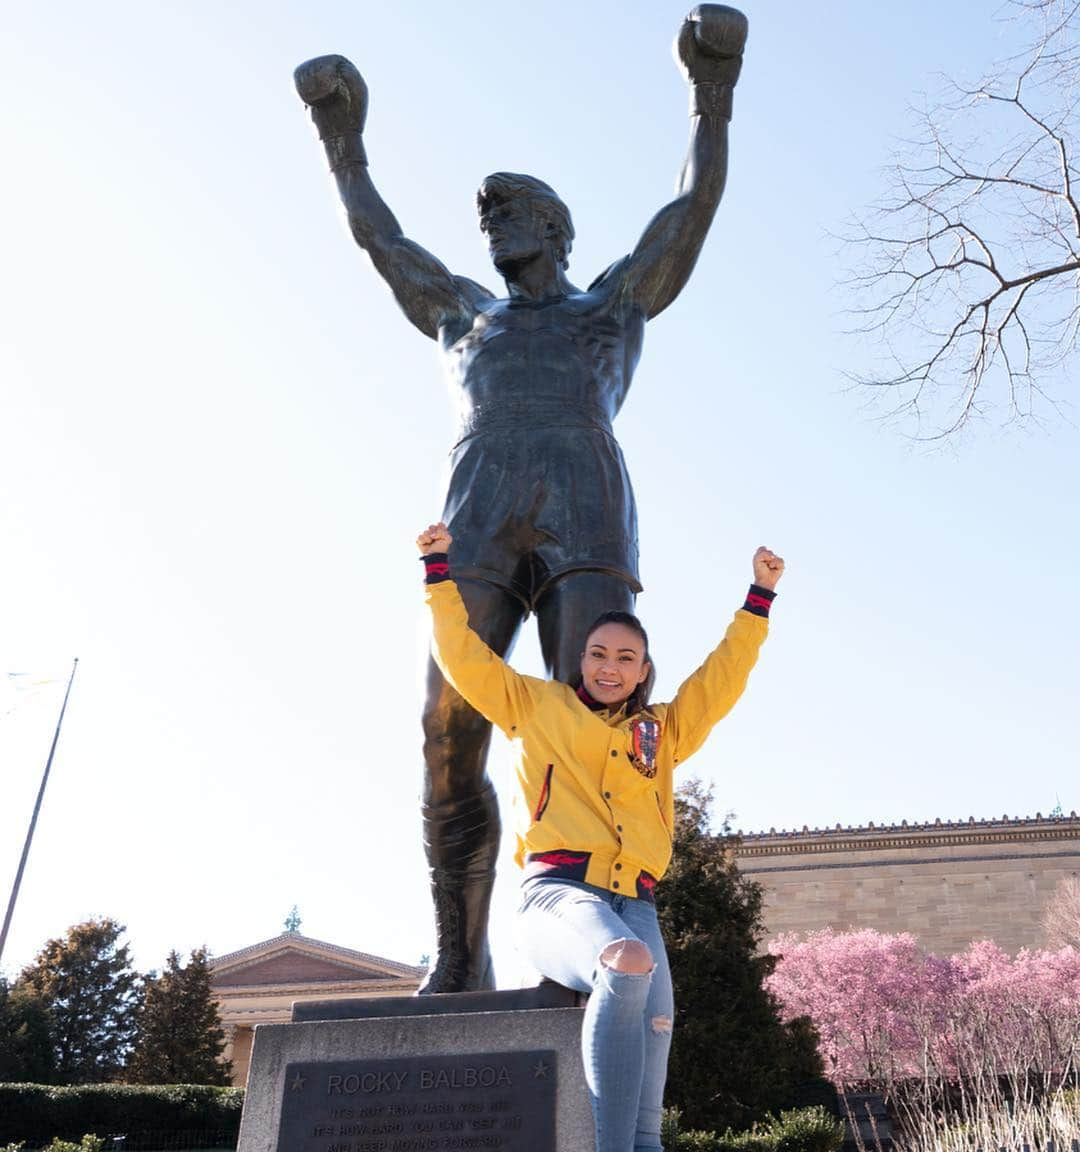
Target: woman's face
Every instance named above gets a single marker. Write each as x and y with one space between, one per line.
613 664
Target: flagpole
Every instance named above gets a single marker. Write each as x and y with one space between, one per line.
37 809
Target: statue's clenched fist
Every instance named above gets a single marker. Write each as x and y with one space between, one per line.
335 92
710 44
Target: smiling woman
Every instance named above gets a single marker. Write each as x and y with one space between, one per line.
616 664
594 816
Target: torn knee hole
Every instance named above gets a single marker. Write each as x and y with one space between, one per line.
627 956
661 1023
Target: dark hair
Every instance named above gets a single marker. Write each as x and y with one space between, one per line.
638 700
541 199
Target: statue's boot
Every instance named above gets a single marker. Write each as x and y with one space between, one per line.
461 838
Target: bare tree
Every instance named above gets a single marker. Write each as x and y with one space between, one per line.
1061 918
967 277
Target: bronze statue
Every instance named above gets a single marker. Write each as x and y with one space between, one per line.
539 501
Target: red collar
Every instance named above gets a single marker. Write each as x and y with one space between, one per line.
597 706
588 701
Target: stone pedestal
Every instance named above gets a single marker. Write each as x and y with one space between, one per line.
476 1072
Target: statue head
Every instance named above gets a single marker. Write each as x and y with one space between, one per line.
520 215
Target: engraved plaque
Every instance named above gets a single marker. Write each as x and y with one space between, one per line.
497 1101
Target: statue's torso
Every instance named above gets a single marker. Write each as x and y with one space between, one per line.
571 358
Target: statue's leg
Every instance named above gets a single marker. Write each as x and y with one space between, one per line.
461 812
566 609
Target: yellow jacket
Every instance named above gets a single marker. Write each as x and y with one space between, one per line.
579 788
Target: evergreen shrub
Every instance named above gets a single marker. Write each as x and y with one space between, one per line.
148 1116
86 1144
807 1130
812 1129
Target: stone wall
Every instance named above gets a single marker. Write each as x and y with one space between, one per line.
947 883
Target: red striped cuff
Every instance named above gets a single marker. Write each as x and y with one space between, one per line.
436 567
759 600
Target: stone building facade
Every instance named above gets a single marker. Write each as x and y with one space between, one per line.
258 985
946 883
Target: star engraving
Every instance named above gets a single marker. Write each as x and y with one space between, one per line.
298 1083
541 1070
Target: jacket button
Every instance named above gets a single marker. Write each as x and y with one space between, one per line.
618 827
614 883
607 795
614 752
618 867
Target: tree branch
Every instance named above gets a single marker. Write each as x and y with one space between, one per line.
966 283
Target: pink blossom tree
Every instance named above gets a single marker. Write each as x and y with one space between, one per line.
968 1038
876 1000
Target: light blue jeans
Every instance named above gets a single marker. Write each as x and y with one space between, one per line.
562 928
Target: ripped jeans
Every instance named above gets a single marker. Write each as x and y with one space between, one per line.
562 927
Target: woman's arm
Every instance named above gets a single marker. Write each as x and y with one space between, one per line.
710 693
489 684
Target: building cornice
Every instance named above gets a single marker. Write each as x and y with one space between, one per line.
939 834
295 942
313 990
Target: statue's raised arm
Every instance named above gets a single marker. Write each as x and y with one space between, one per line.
428 293
709 49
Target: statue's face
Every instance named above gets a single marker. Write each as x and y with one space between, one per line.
613 664
515 234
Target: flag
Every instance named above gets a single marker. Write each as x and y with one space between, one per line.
17 688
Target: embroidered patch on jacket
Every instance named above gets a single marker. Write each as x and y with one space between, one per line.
646 739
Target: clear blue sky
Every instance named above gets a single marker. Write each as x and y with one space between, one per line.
219 438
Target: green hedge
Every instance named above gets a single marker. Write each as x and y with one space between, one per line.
86 1144
169 1116
187 1116
801 1130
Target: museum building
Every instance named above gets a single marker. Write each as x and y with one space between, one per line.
946 883
258 985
